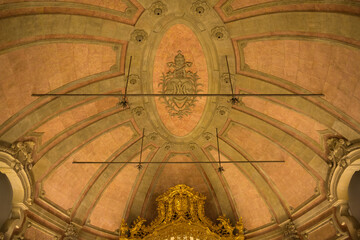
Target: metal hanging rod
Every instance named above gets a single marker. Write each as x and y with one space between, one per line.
280 161
220 168
176 95
139 166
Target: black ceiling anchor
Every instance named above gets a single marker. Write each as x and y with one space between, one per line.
140 166
220 168
124 102
233 100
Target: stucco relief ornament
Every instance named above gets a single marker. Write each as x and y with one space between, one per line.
158 8
179 81
199 8
290 232
219 33
71 232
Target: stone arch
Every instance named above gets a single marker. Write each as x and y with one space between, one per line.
344 161
5 198
16 164
354 195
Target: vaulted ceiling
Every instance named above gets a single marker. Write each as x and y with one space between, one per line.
273 46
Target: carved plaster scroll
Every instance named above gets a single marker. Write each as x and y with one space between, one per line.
337 150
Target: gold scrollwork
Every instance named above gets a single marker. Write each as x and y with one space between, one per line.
181 215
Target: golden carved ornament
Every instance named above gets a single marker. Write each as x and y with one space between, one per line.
181 215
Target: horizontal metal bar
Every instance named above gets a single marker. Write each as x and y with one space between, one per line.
176 95
75 162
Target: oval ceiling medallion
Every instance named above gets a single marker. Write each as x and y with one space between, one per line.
180 68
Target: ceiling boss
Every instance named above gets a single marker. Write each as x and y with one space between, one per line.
179 81
181 215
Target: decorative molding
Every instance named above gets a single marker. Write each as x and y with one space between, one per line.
219 33
200 8
158 8
129 16
340 234
30 223
139 36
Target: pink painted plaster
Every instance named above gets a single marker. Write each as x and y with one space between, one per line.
293 181
319 67
65 184
301 122
42 68
116 195
75 115
248 202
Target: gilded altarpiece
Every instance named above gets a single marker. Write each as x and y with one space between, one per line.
181 215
